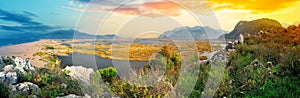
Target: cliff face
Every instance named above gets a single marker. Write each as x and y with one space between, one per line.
253 27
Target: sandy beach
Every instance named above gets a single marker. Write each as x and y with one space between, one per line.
26 50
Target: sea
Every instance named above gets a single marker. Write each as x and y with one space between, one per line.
9 42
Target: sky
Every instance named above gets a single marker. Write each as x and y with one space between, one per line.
137 18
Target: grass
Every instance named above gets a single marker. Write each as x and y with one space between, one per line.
52 61
140 52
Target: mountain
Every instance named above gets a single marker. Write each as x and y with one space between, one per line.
12 39
253 27
73 34
192 33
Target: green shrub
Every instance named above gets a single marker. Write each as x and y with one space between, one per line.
49 47
4 91
107 74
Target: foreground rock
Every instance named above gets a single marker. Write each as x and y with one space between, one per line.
23 65
15 64
26 88
10 73
80 73
75 96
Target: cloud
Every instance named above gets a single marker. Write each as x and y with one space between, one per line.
31 28
101 2
29 14
15 17
128 10
255 6
146 8
24 20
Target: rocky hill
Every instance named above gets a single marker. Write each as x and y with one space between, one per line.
253 27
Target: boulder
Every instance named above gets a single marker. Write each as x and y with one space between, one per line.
219 57
75 96
1 60
1 67
2 76
5 60
23 65
11 77
80 73
26 88
229 45
8 68
241 39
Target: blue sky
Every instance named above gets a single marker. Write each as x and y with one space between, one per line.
48 13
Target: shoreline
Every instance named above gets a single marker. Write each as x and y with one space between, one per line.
26 50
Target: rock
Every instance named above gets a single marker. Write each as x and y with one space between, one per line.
1 60
80 73
26 88
64 85
241 39
1 67
5 60
219 57
269 65
8 68
75 96
2 77
11 77
229 45
23 65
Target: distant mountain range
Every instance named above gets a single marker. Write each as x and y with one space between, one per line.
73 34
12 39
59 34
253 27
193 33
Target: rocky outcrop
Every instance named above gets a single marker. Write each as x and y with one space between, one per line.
5 60
231 44
80 73
25 88
22 65
15 64
9 75
75 96
2 76
8 68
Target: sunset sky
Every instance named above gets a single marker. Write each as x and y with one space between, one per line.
137 17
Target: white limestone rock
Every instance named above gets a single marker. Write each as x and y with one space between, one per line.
11 77
8 68
1 60
23 65
2 76
75 96
25 88
80 73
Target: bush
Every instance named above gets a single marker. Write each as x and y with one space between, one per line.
49 47
4 91
107 74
